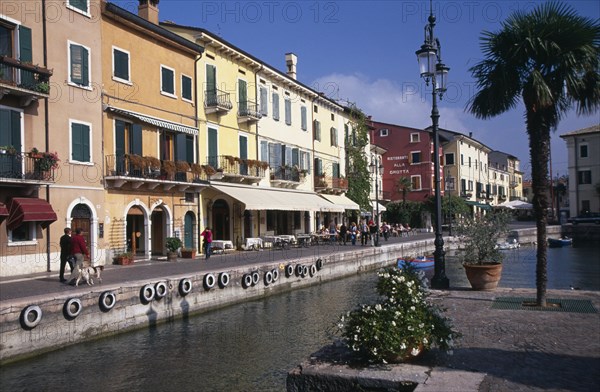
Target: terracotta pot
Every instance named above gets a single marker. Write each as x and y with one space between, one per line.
406 356
172 256
484 276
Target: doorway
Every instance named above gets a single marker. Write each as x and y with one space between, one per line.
135 233
81 218
220 221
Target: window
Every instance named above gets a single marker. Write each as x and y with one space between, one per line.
80 142
333 136
449 158
167 81
469 161
583 151
79 6
415 182
303 119
383 132
317 130
415 137
415 157
264 101
275 106
22 233
121 65
463 186
584 177
271 220
462 160
316 109
242 97
79 69
470 186
186 88
288 111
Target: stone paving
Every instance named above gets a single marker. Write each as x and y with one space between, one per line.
500 351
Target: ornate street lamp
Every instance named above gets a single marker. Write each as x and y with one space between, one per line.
432 68
376 168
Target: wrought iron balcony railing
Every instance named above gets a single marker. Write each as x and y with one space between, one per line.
332 183
23 79
237 167
248 111
22 166
290 174
217 100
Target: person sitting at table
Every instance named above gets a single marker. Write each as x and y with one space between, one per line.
332 232
407 229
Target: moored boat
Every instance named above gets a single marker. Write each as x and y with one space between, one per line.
560 242
419 262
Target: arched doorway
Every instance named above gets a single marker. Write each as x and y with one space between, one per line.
220 220
81 218
159 227
135 233
189 226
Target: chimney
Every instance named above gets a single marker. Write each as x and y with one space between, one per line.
148 9
290 61
471 135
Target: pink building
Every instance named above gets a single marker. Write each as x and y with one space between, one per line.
409 155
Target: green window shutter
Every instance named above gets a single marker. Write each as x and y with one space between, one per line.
186 88
119 138
180 147
25 48
167 77
336 170
189 148
288 156
136 139
243 147
264 151
121 65
211 85
5 124
295 157
76 142
79 4
85 58
212 147
15 129
264 103
242 97
79 65
85 142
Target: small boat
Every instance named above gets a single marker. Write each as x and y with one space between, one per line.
419 262
560 242
508 245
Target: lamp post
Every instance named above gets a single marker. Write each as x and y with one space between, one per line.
432 68
376 167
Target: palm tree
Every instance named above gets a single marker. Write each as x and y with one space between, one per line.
549 58
404 185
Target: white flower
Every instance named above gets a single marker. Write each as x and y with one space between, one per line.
412 308
403 346
378 307
414 352
410 328
393 323
425 341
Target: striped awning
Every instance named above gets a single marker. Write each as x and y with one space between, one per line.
342 201
3 211
163 124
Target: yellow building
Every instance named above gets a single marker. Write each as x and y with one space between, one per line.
151 171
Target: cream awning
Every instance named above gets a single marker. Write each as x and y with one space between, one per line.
381 207
342 201
164 124
259 198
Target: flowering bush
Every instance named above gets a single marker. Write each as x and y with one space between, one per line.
402 325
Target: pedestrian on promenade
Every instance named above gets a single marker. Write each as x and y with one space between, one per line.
373 232
332 232
343 233
353 232
364 233
207 234
80 251
65 254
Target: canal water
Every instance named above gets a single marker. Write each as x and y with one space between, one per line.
251 346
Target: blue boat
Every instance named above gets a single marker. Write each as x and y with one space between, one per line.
419 262
560 242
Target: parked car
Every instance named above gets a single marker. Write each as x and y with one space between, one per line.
588 217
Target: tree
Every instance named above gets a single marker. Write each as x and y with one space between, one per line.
549 58
404 185
357 169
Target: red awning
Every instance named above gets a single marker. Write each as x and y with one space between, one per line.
3 212
30 209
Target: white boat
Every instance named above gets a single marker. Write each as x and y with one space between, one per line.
514 244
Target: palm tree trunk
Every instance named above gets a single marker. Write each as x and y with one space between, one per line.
539 148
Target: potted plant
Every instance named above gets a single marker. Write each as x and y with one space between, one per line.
173 244
481 257
402 325
125 258
45 160
188 253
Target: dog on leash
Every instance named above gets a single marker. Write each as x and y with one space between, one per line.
87 274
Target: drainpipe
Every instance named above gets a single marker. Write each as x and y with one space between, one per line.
46 126
576 179
257 147
197 122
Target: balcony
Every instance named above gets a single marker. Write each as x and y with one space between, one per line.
513 184
287 177
248 112
135 172
331 185
24 168
217 101
233 169
26 81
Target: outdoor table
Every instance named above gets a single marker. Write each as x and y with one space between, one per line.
254 242
222 245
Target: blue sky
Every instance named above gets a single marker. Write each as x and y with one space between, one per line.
364 52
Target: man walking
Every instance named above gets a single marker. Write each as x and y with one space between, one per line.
364 233
65 254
